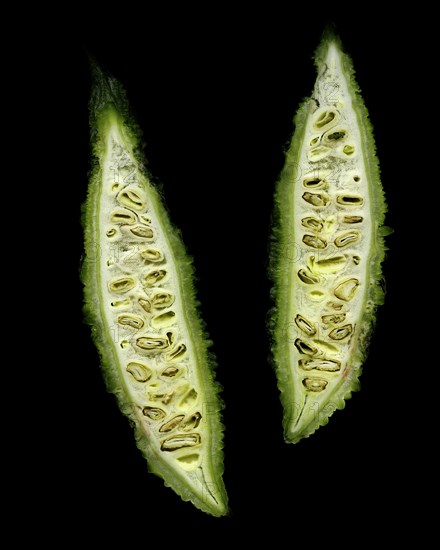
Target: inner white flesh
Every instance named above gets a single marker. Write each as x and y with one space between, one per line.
331 225
142 305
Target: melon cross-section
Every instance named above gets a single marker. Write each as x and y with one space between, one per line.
327 248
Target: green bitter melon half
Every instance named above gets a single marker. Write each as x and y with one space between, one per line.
327 248
140 302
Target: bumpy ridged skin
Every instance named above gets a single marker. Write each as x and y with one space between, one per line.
141 305
327 248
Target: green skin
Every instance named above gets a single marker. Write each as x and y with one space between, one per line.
327 248
140 302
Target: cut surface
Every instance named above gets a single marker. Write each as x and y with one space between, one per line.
330 208
139 299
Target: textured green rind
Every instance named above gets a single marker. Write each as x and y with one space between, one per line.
109 101
281 253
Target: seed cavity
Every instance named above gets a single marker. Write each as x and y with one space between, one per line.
154 413
180 441
163 320
316 199
341 332
346 238
131 320
315 384
132 199
121 285
305 325
325 117
170 372
152 343
335 305
327 365
162 300
305 348
176 354
335 136
172 424
152 255
352 219
312 223
308 277
345 291
189 462
189 400
111 232
154 277
122 216
327 265
333 319
140 372
191 422
143 231
326 346
350 200
314 242
314 183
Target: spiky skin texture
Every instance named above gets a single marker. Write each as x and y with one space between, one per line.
140 302
327 248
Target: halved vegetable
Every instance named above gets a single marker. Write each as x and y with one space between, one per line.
330 206
140 302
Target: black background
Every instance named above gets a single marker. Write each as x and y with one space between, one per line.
215 94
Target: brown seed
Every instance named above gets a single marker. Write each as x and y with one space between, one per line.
154 277
312 223
140 372
180 441
131 320
122 285
152 343
191 422
143 231
352 219
172 424
154 413
333 319
314 242
176 354
305 325
340 333
170 372
349 237
305 348
316 199
307 277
